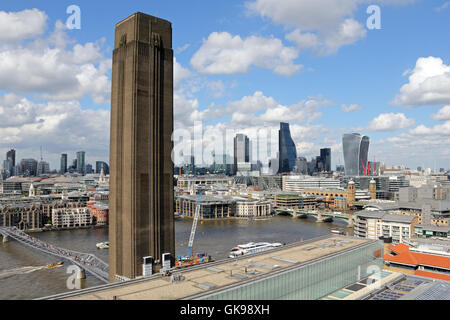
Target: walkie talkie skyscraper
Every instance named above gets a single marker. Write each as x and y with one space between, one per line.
356 150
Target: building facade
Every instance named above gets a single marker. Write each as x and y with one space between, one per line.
211 207
24 216
287 150
252 208
101 164
376 224
141 168
81 164
43 168
298 183
325 157
241 152
63 164
71 217
356 150
28 167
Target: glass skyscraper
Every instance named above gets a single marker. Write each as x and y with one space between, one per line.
81 165
356 150
99 165
63 168
11 157
241 150
287 151
325 157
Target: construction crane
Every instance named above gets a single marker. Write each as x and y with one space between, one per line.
194 227
189 259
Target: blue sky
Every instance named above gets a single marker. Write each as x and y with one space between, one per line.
295 61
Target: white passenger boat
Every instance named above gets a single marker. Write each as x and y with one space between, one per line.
103 245
252 247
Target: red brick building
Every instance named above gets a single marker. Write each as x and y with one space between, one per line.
99 213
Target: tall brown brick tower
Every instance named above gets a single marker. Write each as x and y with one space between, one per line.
141 168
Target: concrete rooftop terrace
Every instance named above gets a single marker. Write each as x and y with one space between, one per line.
219 275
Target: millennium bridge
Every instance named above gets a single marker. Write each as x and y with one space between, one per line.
87 262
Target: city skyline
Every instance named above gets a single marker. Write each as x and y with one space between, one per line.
261 150
53 166
298 79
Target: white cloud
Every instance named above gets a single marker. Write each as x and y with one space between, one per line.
16 111
351 108
26 24
438 130
57 126
329 42
348 32
305 14
52 72
179 74
223 53
305 40
443 114
390 122
324 25
429 84
423 142
216 88
261 110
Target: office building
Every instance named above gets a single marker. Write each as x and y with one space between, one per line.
301 165
298 183
287 201
11 158
81 164
63 168
356 150
101 164
374 168
241 152
141 169
43 168
287 151
89 169
29 167
325 157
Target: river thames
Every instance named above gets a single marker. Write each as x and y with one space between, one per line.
23 274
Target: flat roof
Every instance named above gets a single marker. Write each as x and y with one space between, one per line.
385 216
204 279
371 214
433 228
398 218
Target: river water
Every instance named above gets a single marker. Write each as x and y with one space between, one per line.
23 274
